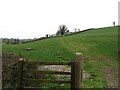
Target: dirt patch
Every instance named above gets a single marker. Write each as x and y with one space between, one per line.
63 68
111 76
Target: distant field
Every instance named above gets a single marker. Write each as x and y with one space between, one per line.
99 46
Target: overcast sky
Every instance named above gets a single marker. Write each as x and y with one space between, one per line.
36 18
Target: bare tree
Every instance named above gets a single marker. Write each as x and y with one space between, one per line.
62 29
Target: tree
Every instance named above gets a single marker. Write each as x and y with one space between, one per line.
3 40
75 29
14 40
67 31
114 23
8 41
47 35
17 40
61 29
78 29
58 33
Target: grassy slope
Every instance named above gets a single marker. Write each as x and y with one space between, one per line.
94 44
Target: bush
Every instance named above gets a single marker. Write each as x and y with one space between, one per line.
10 71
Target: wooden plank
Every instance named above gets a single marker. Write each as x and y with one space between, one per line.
48 63
46 81
48 72
34 88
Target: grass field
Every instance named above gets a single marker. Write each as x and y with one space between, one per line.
99 46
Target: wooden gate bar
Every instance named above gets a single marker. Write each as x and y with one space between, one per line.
48 63
47 72
46 81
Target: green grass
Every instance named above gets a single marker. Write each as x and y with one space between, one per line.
55 85
95 44
96 79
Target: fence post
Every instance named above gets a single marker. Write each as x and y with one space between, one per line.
20 69
72 75
78 67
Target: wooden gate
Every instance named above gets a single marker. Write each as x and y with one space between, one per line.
76 72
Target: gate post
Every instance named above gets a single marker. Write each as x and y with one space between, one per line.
78 71
20 71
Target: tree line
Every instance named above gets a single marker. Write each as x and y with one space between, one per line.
62 30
